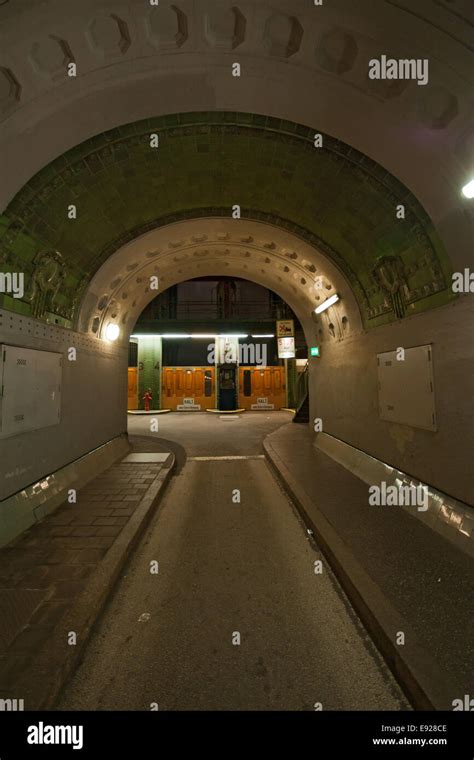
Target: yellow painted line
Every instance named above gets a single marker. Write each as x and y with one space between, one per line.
222 459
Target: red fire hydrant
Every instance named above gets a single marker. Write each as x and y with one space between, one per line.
147 398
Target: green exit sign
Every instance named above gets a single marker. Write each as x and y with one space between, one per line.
315 351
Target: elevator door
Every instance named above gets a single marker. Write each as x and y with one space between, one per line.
188 388
227 387
262 388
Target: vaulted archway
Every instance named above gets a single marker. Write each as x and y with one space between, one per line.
88 203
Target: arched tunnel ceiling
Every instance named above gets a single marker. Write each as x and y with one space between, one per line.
332 196
299 61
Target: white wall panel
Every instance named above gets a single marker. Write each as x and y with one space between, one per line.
30 392
93 402
344 394
406 387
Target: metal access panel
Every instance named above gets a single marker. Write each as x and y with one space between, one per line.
406 387
30 389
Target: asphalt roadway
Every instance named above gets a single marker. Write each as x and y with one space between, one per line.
238 616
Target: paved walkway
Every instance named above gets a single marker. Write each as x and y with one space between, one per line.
424 576
226 567
236 618
191 434
44 571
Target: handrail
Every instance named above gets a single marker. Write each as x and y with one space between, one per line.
302 385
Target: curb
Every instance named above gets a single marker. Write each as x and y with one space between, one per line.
225 411
150 413
56 662
423 682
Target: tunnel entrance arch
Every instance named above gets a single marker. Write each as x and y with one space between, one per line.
264 253
327 213
115 187
215 246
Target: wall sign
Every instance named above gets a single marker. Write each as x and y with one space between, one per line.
285 328
188 405
286 348
262 403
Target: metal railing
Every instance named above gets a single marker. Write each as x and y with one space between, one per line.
302 386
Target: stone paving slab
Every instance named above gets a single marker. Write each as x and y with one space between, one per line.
69 560
399 574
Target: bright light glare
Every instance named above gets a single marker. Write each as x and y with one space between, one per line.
112 331
326 304
196 335
263 336
468 190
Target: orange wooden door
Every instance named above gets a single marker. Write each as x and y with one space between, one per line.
188 387
132 388
259 383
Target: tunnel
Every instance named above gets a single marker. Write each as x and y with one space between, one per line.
148 145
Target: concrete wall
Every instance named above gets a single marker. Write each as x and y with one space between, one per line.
44 112
344 393
93 402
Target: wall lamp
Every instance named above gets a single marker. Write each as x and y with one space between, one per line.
468 190
112 331
326 304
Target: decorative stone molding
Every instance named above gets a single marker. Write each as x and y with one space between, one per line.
108 35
